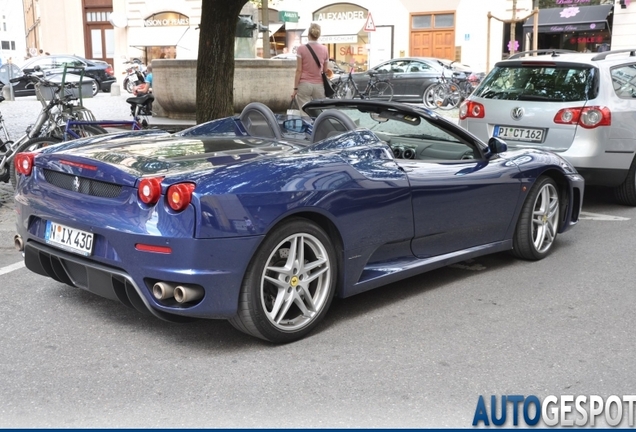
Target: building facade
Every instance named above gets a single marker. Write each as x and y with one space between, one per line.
12 42
360 33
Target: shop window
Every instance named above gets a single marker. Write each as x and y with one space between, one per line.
101 16
444 21
422 21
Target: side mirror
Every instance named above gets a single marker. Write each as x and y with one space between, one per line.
496 145
37 68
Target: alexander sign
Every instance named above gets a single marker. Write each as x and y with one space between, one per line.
571 2
341 16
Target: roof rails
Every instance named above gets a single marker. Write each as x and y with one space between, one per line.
554 52
604 54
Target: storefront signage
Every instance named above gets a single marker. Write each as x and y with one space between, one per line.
347 15
288 16
570 2
590 39
573 28
166 19
339 39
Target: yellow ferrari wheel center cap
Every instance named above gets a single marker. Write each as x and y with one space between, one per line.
294 281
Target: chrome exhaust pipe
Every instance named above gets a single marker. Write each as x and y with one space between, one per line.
163 290
184 293
18 242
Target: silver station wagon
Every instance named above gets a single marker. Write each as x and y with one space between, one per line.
580 105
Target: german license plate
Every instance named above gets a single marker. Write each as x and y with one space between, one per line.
519 134
70 239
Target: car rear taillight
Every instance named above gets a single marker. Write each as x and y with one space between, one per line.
179 195
109 70
471 109
24 163
587 117
150 190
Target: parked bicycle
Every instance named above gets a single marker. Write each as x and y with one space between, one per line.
60 103
448 93
379 88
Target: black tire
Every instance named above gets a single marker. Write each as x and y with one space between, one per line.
87 131
4 172
381 90
31 145
271 311
538 222
625 194
428 98
129 85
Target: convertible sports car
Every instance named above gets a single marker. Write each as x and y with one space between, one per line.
263 219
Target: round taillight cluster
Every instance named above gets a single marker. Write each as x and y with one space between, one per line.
180 195
150 190
587 117
472 109
24 163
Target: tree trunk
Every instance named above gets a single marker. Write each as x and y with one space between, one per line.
215 63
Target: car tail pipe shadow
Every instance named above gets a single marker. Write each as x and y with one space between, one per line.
18 242
181 293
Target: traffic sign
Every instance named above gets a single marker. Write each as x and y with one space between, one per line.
370 25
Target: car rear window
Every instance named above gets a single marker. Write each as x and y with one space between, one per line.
539 83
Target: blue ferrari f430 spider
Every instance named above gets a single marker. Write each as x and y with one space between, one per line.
262 219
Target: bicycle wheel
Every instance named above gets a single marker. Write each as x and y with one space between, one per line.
87 130
30 145
447 97
382 90
344 91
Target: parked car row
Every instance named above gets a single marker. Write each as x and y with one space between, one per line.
100 72
410 77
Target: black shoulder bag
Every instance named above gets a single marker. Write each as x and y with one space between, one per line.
329 91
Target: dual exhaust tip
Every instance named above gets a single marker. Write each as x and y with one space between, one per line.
181 293
18 243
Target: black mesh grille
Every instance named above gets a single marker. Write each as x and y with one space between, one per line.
82 185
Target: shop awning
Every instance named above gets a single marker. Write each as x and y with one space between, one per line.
339 31
571 19
155 36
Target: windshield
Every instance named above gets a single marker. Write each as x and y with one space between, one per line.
538 83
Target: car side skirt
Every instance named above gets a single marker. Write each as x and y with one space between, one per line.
380 274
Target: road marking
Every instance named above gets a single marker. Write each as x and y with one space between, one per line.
601 217
12 267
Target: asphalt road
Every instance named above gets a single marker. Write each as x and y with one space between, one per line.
412 354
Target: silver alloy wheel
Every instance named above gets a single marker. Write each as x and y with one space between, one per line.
545 218
295 282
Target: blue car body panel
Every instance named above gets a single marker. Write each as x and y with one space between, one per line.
389 219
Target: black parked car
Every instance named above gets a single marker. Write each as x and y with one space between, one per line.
101 72
411 76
